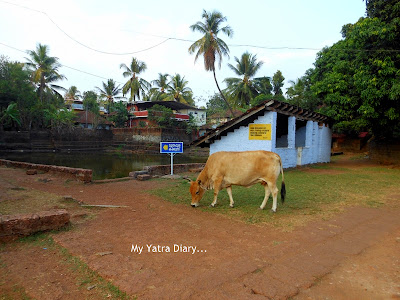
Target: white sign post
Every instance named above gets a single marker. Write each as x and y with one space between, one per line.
171 148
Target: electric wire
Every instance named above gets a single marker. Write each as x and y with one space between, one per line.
62 65
166 38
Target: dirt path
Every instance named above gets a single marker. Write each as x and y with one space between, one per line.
356 253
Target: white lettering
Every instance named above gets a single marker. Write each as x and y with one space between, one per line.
183 248
157 248
177 248
137 249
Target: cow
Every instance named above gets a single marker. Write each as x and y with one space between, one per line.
224 169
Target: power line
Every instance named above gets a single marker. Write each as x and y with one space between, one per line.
65 66
78 42
187 40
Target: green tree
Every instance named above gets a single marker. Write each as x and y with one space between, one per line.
163 116
135 84
178 90
159 91
387 11
90 102
216 104
300 93
109 92
9 115
58 120
73 93
15 86
210 46
191 125
44 69
263 85
358 78
277 83
243 89
121 115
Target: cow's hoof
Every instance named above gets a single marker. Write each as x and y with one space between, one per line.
231 206
274 211
260 208
212 205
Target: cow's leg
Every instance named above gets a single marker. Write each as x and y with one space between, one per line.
217 188
274 191
229 190
267 192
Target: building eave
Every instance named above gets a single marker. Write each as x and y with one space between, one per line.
253 113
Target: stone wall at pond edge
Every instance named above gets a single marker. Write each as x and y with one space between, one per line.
84 175
166 169
384 152
137 139
16 226
148 138
51 140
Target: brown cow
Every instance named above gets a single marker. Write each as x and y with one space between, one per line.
224 169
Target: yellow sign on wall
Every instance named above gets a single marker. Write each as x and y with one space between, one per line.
259 131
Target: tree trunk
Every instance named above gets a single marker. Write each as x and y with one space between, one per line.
223 97
41 88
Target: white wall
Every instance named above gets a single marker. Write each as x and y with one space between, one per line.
317 142
199 115
238 140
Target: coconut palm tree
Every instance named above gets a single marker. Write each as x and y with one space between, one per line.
9 114
243 89
109 92
264 85
161 85
135 84
73 93
210 46
178 91
44 70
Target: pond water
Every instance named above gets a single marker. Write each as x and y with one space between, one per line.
104 165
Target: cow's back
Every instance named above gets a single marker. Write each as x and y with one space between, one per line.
243 168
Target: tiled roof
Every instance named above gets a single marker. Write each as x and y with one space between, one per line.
253 113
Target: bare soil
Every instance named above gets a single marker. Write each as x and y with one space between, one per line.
354 255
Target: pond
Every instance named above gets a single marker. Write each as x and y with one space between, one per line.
105 165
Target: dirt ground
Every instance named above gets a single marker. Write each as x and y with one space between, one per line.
192 254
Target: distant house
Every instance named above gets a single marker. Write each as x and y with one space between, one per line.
87 119
298 135
222 117
77 105
138 111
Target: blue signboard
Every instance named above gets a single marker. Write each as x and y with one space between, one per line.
171 147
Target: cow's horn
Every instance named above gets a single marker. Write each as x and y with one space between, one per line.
188 179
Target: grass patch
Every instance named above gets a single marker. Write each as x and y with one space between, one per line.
18 200
17 292
22 201
85 277
308 194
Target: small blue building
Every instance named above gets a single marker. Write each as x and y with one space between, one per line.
298 135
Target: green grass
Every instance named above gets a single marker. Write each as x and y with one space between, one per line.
84 275
309 193
20 201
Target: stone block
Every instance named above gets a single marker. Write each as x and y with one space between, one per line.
195 170
31 172
143 177
135 174
15 226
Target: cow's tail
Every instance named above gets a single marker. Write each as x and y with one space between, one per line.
283 188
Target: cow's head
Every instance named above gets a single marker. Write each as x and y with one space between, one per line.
197 192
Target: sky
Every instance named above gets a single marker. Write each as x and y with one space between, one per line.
92 38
